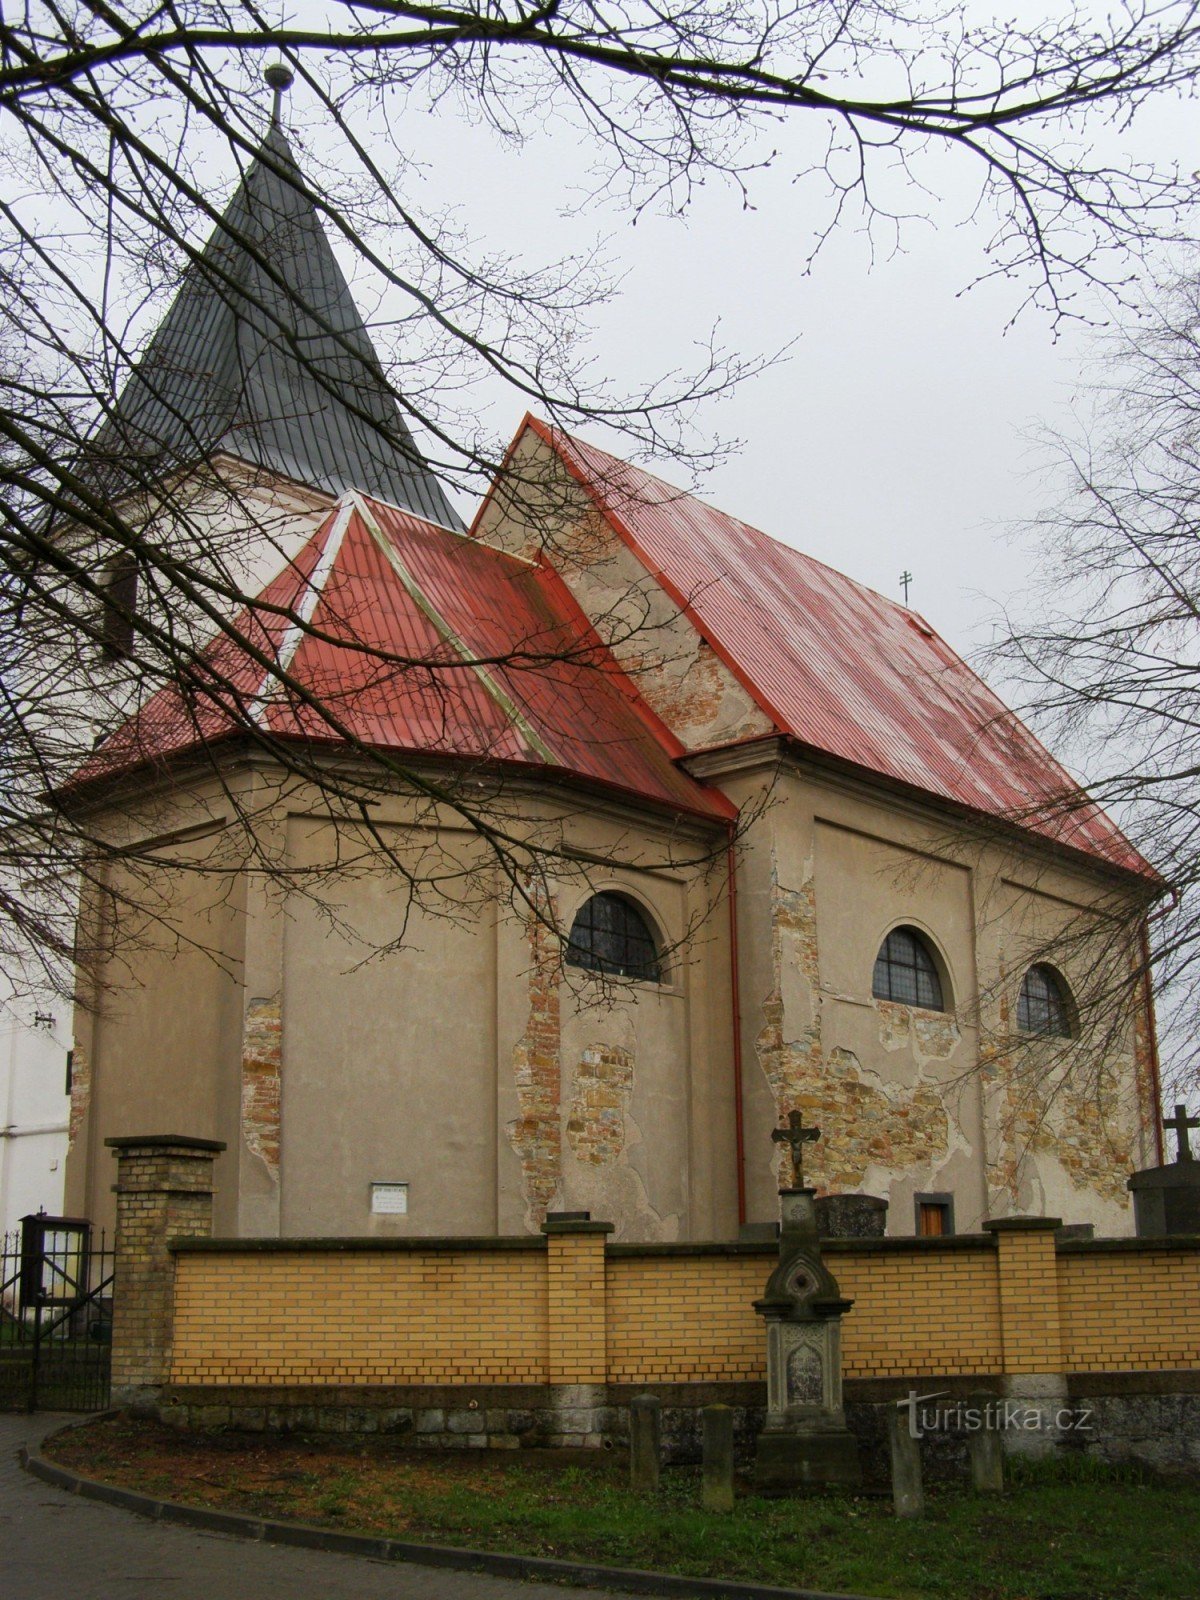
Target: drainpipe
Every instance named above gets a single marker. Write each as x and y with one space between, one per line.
1152 1032
736 998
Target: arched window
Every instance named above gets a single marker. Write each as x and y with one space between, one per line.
611 935
1044 1006
905 972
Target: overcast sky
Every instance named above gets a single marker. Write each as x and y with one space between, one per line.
896 434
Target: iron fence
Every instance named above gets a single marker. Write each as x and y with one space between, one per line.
56 1278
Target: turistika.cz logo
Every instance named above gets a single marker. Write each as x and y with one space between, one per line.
993 1416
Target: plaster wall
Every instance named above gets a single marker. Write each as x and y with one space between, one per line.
913 1101
156 1041
337 1030
388 1060
33 1105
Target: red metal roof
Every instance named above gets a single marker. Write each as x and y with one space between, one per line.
837 666
412 638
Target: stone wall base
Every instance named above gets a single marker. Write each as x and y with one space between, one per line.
1150 1418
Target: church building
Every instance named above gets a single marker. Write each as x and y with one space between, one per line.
590 840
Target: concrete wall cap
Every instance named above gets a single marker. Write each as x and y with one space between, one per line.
165 1141
1023 1224
557 1227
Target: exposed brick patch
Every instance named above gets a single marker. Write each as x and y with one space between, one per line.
536 1135
1086 1130
81 1094
262 1056
866 1127
596 1120
862 1125
1074 1111
694 693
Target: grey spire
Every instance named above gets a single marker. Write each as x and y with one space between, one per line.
263 355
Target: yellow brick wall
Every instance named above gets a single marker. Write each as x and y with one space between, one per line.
575 1271
570 1313
1130 1310
360 1317
1030 1315
920 1312
685 1319
691 1319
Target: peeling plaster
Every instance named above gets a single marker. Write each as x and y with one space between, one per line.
536 1135
1089 1134
81 1094
262 1059
600 1105
1033 1110
863 1126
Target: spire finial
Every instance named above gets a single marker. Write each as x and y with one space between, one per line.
279 77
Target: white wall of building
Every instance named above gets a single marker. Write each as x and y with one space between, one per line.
34 1106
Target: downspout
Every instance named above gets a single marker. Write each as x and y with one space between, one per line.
1152 1033
736 999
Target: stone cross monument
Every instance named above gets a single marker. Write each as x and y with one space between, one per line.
1166 1199
1179 1125
805 1443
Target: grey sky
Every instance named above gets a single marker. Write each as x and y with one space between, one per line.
896 433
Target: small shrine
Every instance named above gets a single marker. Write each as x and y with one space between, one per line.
1166 1199
805 1443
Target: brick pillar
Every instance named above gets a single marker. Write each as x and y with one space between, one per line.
1029 1313
1031 1325
164 1191
575 1286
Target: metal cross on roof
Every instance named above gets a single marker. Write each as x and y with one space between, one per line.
1179 1125
906 579
796 1136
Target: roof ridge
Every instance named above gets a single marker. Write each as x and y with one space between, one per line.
485 676
310 597
440 527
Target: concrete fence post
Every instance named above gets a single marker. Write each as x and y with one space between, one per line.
985 1449
908 1491
716 1489
645 1442
164 1191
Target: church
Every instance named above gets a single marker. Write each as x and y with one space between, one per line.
588 841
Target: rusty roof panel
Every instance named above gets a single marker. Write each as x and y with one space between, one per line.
841 668
401 635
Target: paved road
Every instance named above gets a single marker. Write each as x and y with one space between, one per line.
54 1546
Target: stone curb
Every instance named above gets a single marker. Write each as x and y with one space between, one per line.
627 1580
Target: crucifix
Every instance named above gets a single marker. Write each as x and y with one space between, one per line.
1179 1125
796 1136
906 579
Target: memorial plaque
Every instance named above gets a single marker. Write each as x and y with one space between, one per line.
389 1199
804 1377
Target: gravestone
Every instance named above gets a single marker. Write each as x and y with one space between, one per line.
1166 1199
851 1216
805 1443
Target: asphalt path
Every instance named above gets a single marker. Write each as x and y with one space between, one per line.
57 1546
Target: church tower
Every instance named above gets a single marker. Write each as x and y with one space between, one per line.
263 358
257 403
